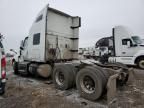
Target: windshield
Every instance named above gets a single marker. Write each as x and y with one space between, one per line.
137 39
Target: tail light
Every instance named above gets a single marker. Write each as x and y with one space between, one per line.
3 67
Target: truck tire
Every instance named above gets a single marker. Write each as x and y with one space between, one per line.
100 72
104 72
2 91
15 67
140 63
89 83
63 76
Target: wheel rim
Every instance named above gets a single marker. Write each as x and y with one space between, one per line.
59 78
87 84
141 63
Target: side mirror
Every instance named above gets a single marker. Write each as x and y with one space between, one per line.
12 50
21 45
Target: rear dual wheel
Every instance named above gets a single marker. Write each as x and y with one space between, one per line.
90 82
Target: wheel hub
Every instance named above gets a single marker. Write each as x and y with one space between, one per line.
87 84
60 78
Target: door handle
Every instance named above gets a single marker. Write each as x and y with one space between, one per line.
123 52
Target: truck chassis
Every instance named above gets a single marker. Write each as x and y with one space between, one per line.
91 79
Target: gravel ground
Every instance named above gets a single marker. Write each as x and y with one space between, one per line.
131 95
28 92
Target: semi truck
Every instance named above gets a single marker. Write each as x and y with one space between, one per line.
51 50
89 52
123 46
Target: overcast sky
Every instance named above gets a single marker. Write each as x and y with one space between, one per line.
98 17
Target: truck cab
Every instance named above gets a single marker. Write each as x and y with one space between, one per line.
123 46
53 37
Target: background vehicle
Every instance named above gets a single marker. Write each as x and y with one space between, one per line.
2 67
123 47
51 50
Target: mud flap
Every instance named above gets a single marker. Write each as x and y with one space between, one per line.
111 88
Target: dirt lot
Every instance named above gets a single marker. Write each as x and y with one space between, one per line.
28 92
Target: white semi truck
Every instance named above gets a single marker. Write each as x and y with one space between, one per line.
51 50
123 46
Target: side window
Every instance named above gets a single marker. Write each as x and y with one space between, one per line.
36 39
39 18
124 41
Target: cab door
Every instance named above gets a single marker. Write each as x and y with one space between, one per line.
127 48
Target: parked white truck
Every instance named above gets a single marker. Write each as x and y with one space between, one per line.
123 46
51 50
89 52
